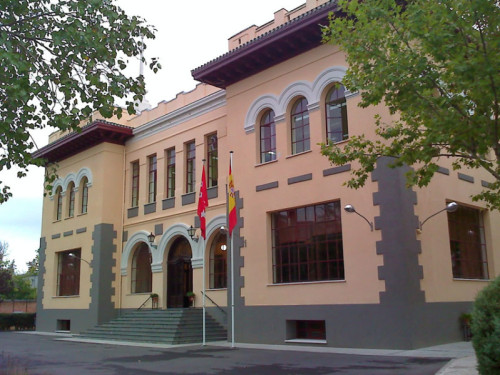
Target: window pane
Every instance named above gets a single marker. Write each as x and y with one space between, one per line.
306 248
467 244
170 172
336 114
300 127
267 138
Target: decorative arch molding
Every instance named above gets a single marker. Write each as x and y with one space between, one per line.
166 240
84 172
266 101
296 89
326 77
72 177
140 236
311 91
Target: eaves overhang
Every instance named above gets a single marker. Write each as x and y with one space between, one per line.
280 44
91 135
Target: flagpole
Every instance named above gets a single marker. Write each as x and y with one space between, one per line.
204 287
232 271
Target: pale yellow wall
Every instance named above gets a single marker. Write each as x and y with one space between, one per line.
105 198
361 283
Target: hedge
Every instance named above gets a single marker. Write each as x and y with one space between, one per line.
20 321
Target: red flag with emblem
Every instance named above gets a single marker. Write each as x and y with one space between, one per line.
203 204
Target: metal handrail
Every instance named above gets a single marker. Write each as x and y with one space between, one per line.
211 300
140 307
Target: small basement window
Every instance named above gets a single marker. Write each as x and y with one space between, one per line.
306 331
63 325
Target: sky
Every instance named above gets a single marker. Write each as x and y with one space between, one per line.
189 34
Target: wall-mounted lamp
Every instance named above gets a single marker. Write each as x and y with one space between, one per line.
192 233
72 255
350 209
450 207
223 247
151 240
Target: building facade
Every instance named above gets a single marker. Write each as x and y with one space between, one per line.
306 270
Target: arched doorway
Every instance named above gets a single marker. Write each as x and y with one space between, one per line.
179 273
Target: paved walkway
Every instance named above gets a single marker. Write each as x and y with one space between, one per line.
463 360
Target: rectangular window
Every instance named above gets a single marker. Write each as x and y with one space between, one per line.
212 157
71 208
68 273
59 204
307 244
170 156
152 179
135 183
190 167
85 196
467 244
310 329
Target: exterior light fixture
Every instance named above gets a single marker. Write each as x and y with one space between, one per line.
450 207
151 240
223 247
192 233
350 209
72 255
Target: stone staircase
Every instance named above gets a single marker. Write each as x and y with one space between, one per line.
171 326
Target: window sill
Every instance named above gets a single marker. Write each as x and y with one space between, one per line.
308 282
337 143
475 280
75 296
69 217
82 214
266 163
216 290
306 341
298 154
56 221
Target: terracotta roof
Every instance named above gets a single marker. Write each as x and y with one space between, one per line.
271 48
90 135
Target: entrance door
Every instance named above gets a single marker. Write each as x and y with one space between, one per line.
179 273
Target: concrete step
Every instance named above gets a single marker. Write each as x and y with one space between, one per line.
171 326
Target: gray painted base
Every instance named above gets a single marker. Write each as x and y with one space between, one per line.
356 326
80 320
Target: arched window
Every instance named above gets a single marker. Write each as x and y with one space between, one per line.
218 262
300 127
336 114
84 191
267 137
142 277
59 202
71 199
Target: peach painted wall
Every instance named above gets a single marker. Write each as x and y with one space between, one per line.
361 283
105 161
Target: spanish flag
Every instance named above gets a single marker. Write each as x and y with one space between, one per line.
233 219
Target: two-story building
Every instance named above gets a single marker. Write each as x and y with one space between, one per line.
306 269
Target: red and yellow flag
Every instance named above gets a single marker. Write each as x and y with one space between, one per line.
233 219
203 204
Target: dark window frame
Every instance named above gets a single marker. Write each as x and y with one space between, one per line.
467 244
300 127
152 178
267 137
336 114
190 148
85 195
68 273
71 200
307 244
59 203
135 183
142 275
212 160
170 156
218 262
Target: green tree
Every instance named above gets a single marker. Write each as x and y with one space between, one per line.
22 288
436 65
59 62
7 269
33 265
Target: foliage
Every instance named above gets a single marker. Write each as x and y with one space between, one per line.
20 321
34 265
22 288
435 65
486 328
6 271
61 61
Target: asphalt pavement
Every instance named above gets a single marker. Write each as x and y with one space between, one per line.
37 354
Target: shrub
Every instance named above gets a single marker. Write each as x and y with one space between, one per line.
486 329
20 321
